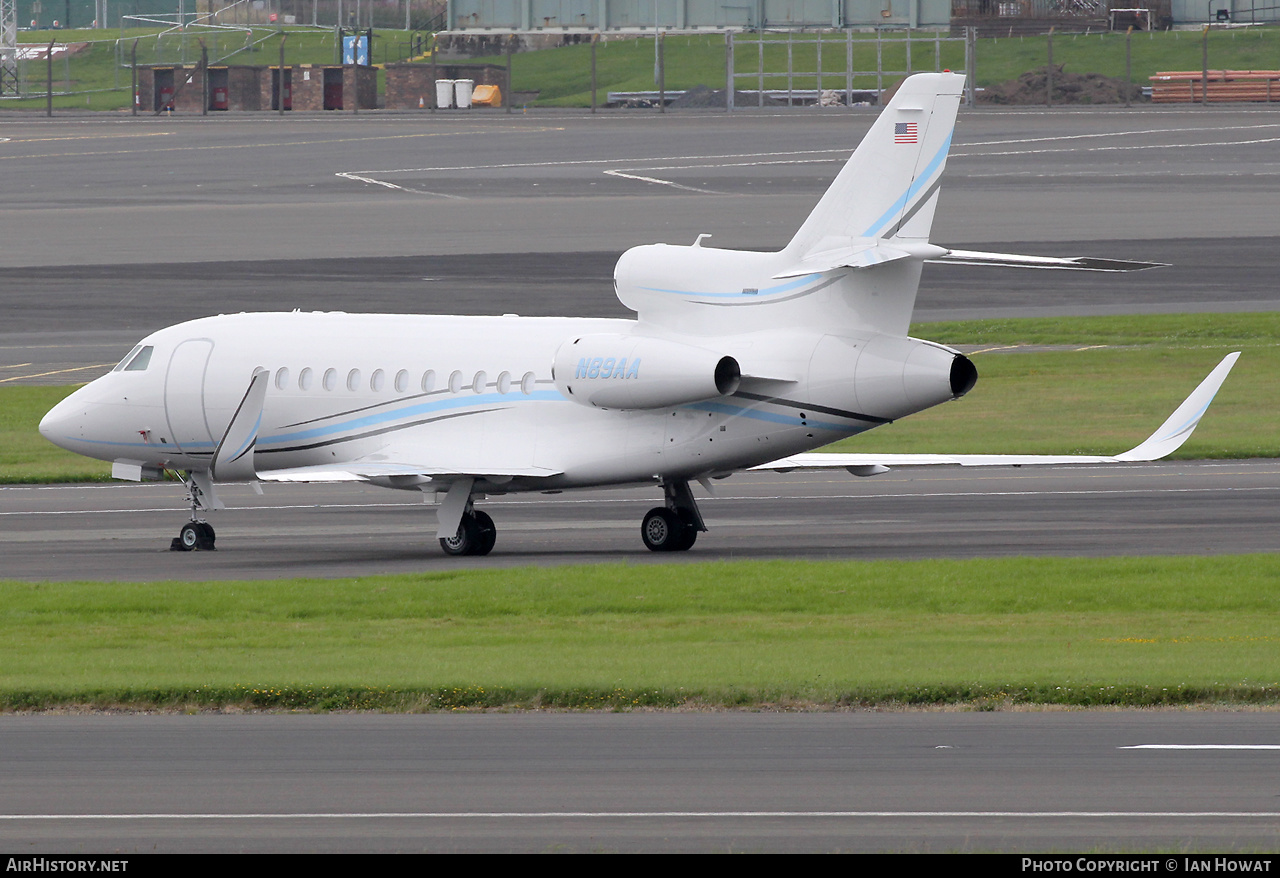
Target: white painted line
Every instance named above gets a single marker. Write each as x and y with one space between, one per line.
644 815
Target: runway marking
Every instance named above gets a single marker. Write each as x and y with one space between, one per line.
88 137
643 179
57 372
625 172
1115 148
357 177
1201 747
269 145
1215 130
646 815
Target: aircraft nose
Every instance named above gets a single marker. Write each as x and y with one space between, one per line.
59 423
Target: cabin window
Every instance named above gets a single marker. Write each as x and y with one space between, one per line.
282 378
527 382
504 382
137 361
402 381
353 380
428 380
378 380
304 378
330 379
478 382
455 381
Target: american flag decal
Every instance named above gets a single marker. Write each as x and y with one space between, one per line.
904 132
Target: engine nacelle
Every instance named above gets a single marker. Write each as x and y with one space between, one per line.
638 372
890 377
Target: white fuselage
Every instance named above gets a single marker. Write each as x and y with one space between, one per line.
467 394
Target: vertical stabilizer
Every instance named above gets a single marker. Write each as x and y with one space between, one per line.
889 188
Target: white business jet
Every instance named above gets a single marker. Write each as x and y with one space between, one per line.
735 361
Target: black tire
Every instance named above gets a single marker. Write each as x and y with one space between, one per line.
190 537
465 541
207 536
662 530
486 532
690 531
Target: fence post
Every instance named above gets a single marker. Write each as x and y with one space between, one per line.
280 84
593 78
662 71
760 54
133 66
48 105
1204 80
848 68
728 72
971 63
1128 65
818 47
1048 77
510 40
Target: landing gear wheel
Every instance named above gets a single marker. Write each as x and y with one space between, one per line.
195 535
690 531
465 541
486 531
664 531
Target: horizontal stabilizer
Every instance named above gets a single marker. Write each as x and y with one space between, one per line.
1013 260
859 253
1176 430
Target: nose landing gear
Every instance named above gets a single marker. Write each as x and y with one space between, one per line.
197 534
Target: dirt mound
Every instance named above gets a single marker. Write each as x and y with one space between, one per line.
1068 88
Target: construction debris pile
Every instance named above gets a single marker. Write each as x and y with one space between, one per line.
1068 88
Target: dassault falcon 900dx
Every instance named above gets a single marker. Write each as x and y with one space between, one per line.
735 361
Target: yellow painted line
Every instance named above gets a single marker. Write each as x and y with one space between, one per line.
15 366
88 137
56 372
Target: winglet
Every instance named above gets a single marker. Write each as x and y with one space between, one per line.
1183 422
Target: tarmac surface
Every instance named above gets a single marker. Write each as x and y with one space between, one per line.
114 227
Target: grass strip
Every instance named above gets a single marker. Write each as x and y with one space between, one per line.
785 634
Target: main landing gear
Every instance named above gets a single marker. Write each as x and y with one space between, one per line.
197 534
674 527
476 535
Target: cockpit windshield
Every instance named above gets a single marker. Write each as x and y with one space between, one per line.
136 360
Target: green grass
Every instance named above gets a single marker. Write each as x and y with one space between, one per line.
25 455
985 632
1084 400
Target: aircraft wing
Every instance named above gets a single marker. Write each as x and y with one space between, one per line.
367 471
1176 429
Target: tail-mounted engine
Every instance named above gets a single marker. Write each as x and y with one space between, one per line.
638 372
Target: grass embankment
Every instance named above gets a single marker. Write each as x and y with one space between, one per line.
1095 400
986 633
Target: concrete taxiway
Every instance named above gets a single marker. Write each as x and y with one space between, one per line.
907 782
